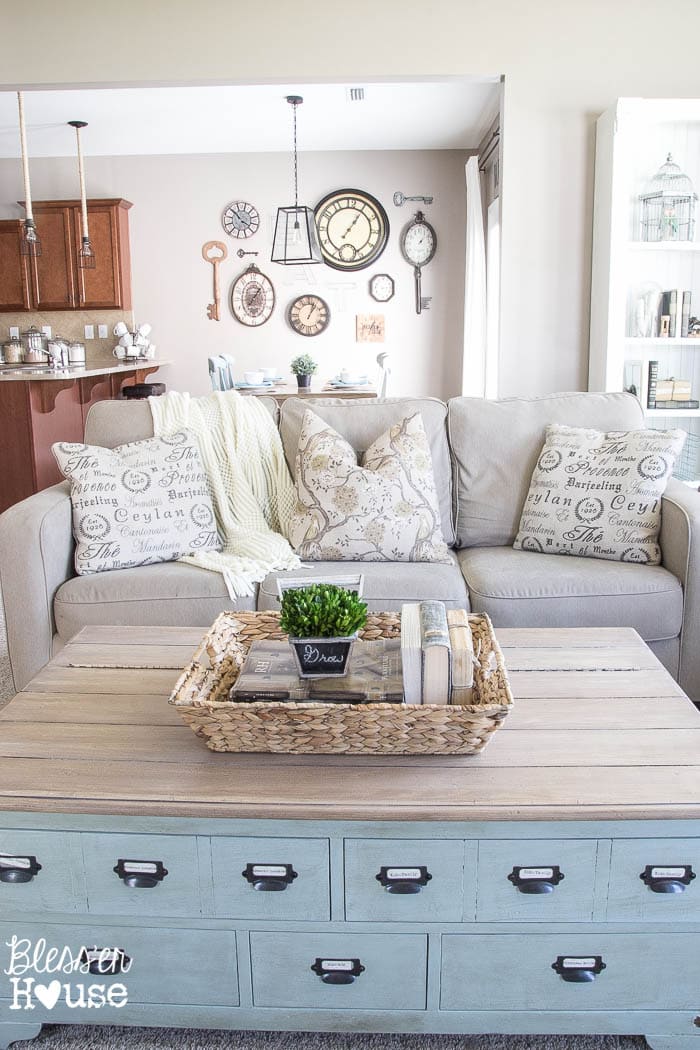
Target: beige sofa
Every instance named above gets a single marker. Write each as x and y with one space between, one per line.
483 456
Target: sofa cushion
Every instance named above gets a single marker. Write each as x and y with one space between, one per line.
495 445
170 594
361 422
387 585
525 589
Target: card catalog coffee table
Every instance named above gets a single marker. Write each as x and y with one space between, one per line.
546 885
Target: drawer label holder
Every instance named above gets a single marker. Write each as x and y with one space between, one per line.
667 878
579 969
338 971
18 869
140 874
101 961
403 879
269 877
536 880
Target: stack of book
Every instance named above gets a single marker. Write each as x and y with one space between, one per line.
669 394
437 654
674 318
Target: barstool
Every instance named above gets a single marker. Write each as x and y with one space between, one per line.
139 391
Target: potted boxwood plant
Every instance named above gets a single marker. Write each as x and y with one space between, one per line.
322 621
303 368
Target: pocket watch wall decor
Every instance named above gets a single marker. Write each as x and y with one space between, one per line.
309 315
353 229
252 297
418 244
381 287
240 219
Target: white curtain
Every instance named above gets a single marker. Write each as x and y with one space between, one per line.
474 350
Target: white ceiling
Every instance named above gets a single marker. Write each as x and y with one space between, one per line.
433 114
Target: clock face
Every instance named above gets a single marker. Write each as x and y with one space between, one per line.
309 315
381 287
240 219
353 229
252 297
418 243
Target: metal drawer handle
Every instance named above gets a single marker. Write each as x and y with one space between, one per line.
578 969
140 874
667 879
18 869
338 971
102 961
536 880
269 877
404 880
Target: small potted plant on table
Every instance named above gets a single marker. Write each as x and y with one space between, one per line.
322 622
303 368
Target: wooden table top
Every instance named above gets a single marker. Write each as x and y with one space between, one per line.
599 730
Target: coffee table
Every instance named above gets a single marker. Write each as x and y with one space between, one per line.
525 889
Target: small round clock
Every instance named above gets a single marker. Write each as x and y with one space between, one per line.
381 287
240 219
252 297
353 229
309 315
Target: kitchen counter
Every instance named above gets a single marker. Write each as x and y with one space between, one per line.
21 373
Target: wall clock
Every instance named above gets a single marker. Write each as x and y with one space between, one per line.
309 315
353 229
240 219
252 297
381 287
418 246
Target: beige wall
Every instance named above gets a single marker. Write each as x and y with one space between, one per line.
563 63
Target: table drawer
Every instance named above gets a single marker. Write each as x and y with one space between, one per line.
49 864
514 972
383 971
420 880
156 874
271 878
188 967
667 865
540 881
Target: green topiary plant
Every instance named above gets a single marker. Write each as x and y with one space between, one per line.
303 365
322 610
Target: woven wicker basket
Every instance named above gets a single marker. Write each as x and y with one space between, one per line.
201 697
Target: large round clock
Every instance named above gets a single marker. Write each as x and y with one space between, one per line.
240 219
252 297
353 229
309 315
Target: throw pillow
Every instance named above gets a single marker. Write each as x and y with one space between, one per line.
384 510
137 504
598 495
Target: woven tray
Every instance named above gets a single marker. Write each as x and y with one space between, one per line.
201 697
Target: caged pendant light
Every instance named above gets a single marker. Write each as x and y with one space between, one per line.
86 256
295 239
29 242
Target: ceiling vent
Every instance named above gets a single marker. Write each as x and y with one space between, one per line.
355 94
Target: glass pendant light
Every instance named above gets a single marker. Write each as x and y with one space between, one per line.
29 242
295 239
86 256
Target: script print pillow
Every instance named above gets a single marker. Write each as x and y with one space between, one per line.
137 504
598 495
385 509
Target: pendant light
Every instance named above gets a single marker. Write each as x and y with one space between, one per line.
295 239
86 256
29 242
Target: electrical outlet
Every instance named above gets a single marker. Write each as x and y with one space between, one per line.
89 331
14 331
102 331
46 329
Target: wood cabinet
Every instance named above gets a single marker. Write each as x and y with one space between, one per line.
54 279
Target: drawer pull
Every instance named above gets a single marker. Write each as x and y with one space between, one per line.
404 880
578 969
536 880
101 961
338 971
18 869
140 874
269 877
667 879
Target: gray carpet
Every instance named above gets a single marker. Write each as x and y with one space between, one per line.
93 1037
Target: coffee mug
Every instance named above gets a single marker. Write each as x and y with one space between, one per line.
120 329
120 352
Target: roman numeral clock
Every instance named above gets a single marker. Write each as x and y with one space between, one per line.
353 229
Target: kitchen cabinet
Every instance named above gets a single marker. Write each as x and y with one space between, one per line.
54 279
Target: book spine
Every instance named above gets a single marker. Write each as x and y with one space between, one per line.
673 313
651 388
685 315
671 406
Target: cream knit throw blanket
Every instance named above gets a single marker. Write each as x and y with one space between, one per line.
249 483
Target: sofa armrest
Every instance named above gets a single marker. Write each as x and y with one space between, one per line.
680 549
36 557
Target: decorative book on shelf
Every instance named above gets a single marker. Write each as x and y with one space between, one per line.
435 643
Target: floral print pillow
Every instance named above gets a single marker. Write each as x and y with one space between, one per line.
385 509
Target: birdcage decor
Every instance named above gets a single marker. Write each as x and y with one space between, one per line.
668 209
